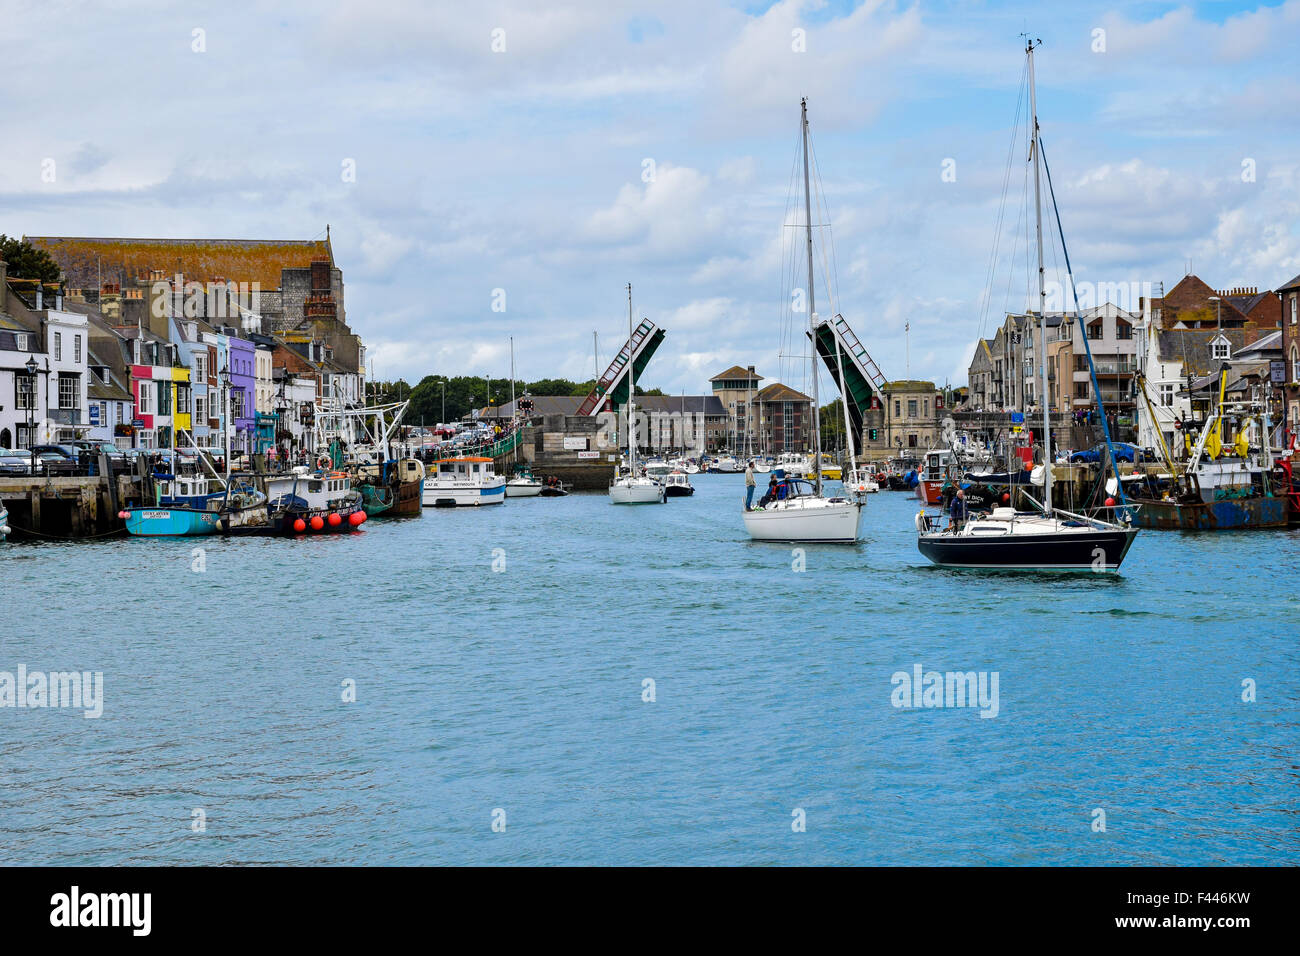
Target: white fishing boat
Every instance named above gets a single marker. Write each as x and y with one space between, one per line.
631 488
762 466
677 484
794 464
800 511
463 482
861 481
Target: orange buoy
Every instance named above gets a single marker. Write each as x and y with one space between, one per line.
1110 502
300 526
356 518
317 522
335 519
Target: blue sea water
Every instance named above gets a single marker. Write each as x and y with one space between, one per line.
521 690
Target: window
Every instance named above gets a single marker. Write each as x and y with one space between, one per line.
58 346
1167 395
898 409
911 408
69 391
199 408
1220 349
20 341
164 398
911 440
1080 389
1295 364
145 394
1094 331
146 439
200 367
24 390
1123 330
927 408
1293 308
76 349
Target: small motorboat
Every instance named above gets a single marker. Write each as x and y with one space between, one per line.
678 485
523 484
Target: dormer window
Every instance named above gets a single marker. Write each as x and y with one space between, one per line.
1220 350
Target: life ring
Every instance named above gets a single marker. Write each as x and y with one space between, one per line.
324 461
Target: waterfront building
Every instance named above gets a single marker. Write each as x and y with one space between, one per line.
735 389
1289 301
907 418
784 421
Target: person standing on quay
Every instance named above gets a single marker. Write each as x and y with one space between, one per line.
749 485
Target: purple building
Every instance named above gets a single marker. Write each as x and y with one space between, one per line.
240 353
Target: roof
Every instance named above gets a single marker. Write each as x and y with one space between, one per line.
910 385
1272 342
736 372
776 392
708 405
1290 285
84 259
1192 347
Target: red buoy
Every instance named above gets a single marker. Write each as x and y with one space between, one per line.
335 519
300 526
317 522
1006 496
356 518
1110 502
124 515
364 516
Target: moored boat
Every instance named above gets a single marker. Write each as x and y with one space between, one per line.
463 482
677 485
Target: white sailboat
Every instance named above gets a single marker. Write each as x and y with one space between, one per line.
801 511
633 489
1052 539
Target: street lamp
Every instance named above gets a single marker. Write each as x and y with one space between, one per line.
31 367
225 415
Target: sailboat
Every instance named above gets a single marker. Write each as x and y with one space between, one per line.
801 512
1052 539
631 489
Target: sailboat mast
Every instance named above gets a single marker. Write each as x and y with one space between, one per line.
631 390
812 309
1042 289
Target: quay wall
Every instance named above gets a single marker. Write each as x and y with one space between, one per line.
66 506
580 450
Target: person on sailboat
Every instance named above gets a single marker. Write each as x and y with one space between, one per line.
770 495
957 511
749 485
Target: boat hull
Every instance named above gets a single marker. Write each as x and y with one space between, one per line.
1225 515
437 495
636 494
1091 550
163 522
837 523
408 500
931 490
679 491
523 490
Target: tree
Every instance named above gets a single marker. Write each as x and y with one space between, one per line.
28 262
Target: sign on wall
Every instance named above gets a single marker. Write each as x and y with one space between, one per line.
575 444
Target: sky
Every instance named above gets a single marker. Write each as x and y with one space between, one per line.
557 151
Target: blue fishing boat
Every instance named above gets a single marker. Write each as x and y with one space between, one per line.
188 507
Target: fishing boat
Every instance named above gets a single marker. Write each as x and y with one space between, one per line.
831 470
391 488
187 506
302 501
463 482
627 487
1221 487
677 484
794 464
1052 538
861 481
938 469
800 511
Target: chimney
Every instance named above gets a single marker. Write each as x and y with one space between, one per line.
40 298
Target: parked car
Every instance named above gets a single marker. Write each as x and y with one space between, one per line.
55 452
1123 452
14 461
97 448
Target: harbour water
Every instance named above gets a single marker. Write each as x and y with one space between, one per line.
520 689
